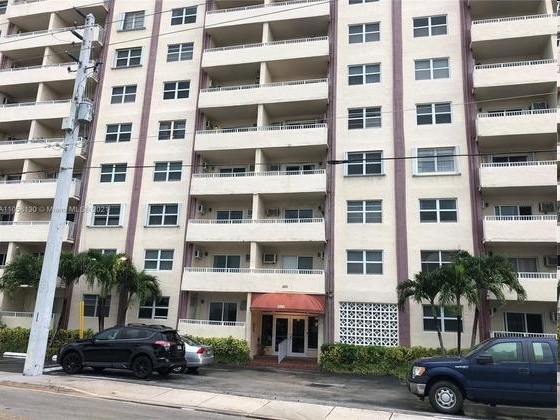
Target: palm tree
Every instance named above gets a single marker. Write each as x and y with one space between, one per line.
70 268
101 270
22 270
426 286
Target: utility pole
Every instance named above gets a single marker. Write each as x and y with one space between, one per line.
80 111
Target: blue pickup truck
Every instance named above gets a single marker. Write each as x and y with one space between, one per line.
508 371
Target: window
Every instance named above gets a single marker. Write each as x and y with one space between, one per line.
446 318
227 216
430 260
430 26
363 211
508 351
432 68
509 212
438 210
361 1
541 352
93 305
437 113
223 312
104 251
183 15
364 74
168 171
297 215
366 32
509 159
154 309
436 159
297 262
132 20
128 57
523 322
172 129
123 94
163 214
118 132
364 262
158 259
106 215
2 259
113 172
523 265
227 263
364 117
180 52
364 163
3 6
176 90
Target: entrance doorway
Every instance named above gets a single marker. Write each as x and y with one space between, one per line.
293 329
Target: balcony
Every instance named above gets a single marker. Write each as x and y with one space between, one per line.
256 230
537 285
273 11
14 319
521 334
22 111
32 231
518 174
26 8
253 280
269 51
258 182
49 37
298 90
205 328
37 149
38 74
34 189
314 134
515 78
520 229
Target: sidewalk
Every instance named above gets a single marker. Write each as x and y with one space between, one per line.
202 401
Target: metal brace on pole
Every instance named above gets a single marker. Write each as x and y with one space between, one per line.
80 111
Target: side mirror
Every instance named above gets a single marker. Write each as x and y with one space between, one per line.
484 359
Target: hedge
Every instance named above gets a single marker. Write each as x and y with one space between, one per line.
227 350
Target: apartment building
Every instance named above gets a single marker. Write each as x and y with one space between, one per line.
281 166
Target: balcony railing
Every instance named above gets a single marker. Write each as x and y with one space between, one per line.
517 113
514 64
251 270
266 44
71 63
264 85
511 18
32 209
13 314
19 104
520 334
538 217
249 174
53 32
207 322
261 6
38 181
263 221
513 164
529 275
262 128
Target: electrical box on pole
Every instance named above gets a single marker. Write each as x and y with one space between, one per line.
39 334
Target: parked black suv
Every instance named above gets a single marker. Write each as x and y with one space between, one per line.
140 347
509 371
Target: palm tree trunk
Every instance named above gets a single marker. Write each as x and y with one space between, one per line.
123 305
65 311
101 313
438 328
458 302
474 326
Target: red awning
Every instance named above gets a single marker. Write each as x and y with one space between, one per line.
288 302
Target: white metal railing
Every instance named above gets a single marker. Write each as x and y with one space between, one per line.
517 113
38 181
207 322
531 218
263 128
511 164
515 64
264 5
14 314
18 104
250 174
266 44
251 270
520 334
512 18
38 223
264 85
49 31
282 349
250 221
528 275
14 2
38 67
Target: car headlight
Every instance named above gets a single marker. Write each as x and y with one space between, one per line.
418 371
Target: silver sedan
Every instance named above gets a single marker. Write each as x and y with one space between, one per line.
196 355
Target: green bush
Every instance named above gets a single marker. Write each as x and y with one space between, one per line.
227 350
16 339
376 360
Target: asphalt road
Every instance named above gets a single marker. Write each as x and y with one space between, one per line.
358 391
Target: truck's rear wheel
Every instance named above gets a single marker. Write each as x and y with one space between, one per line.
446 397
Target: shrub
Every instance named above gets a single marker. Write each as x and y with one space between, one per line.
227 350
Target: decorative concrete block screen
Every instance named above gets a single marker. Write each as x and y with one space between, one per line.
369 324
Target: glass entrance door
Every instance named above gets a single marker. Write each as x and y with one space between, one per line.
281 331
292 329
297 345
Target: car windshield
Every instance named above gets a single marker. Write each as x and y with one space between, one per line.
190 341
475 348
171 336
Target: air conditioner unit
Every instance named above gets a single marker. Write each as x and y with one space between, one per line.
205 167
201 209
553 316
546 207
198 253
551 261
269 258
273 212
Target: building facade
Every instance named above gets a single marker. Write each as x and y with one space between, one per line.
281 166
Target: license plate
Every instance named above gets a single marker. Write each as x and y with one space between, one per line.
179 347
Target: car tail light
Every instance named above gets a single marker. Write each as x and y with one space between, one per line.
200 350
165 344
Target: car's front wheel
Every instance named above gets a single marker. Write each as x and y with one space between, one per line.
446 397
142 367
71 363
